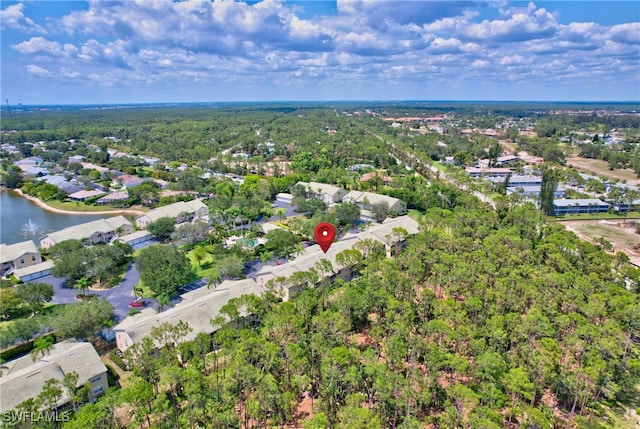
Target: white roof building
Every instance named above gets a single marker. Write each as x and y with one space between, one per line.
24 378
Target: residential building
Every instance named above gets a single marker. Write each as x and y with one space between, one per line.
577 206
330 194
533 191
518 180
284 197
488 172
90 233
385 234
113 198
18 255
366 201
24 378
83 195
137 237
34 272
183 211
196 309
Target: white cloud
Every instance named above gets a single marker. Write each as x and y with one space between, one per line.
115 43
37 71
13 17
41 46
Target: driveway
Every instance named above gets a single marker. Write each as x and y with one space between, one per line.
119 296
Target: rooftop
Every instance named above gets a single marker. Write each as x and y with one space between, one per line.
24 378
11 252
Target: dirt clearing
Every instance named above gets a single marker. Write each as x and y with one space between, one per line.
623 237
601 168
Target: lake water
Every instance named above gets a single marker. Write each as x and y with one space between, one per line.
21 219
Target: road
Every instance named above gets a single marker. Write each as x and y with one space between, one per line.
395 152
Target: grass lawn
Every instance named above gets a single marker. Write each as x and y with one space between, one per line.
204 268
48 312
597 216
415 214
77 207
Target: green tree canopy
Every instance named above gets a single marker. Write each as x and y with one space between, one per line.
164 268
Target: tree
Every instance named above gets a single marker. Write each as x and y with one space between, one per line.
280 241
162 228
164 268
83 320
230 267
380 211
41 345
51 393
309 206
199 253
347 213
548 190
192 233
34 295
13 179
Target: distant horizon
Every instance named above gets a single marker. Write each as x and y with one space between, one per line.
345 101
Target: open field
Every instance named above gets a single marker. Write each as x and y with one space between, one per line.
623 237
601 168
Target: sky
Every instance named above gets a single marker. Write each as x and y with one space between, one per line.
159 51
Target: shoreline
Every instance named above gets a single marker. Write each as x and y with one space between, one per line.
47 207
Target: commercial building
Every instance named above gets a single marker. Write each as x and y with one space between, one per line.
563 207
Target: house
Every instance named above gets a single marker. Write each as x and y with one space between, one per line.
366 201
113 198
577 206
97 231
330 194
68 187
18 255
196 309
182 211
128 181
82 196
24 378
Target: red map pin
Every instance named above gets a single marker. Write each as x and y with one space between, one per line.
324 233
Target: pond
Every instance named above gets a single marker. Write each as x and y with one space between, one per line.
21 219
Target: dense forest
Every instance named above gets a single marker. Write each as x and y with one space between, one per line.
484 321
487 319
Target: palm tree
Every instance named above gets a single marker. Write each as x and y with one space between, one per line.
163 300
82 283
42 344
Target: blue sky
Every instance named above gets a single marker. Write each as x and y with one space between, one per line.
140 51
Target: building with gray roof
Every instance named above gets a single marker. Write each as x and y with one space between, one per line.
182 211
90 233
563 207
196 309
366 201
330 194
24 378
18 255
